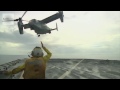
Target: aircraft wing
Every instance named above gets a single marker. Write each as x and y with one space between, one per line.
26 26
53 17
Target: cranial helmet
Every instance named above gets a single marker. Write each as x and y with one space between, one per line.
37 52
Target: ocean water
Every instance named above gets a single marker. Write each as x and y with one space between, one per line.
9 58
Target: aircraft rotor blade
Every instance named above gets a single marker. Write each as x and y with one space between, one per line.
14 20
24 14
7 20
61 16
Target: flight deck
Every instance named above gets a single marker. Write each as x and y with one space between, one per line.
72 69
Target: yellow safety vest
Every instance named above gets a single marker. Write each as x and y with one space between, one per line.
31 71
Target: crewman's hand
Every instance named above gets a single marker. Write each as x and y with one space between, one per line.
42 44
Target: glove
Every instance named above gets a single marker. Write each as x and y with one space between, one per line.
42 45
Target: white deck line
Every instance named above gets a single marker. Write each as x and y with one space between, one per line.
21 77
68 72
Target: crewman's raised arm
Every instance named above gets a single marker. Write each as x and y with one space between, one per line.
49 54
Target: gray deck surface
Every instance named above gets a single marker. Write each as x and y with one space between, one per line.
73 69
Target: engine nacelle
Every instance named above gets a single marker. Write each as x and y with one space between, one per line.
61 16
20 26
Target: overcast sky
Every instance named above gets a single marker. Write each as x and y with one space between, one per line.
84 34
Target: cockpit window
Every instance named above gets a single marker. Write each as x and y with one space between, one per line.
33 20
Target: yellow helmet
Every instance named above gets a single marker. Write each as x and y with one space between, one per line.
37 52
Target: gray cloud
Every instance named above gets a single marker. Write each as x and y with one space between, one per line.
56 49
28 42
15 37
